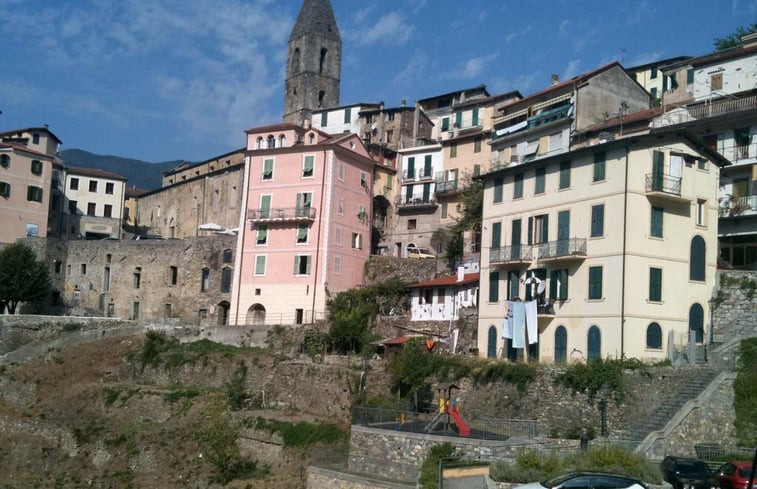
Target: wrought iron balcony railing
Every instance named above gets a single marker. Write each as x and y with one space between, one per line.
510 254
563 248
666 184
282 214
446 187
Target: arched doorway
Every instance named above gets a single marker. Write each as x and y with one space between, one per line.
491 346
696 322
594 341
256 314
223 313
561 344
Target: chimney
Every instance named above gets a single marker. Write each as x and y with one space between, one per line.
404 103
306 123
460 273
555 79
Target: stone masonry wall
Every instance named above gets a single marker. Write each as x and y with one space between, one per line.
319 478
735 308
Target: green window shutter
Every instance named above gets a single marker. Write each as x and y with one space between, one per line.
265 206
298 201
697 259
411 167
260 265
302 232
476 170
539 183
307 169
513 284
690 76
427 166
496 235
445 124
474 120
426 192
459 119
518 186
324 119
262 236
296 264
655 284
597 220
545 229
595 282
493 286
515 233
408 193
599 166
530 230
307 264
658 214
664 82
565 174
558 285
498 187
347 115
267 169
658 170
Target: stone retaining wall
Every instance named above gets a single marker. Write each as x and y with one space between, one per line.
319 478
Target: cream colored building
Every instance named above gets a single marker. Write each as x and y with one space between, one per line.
624 235
94 203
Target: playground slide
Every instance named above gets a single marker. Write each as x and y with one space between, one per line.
461 426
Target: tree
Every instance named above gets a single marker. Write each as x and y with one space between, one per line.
472 204
410 369
23 278
734 39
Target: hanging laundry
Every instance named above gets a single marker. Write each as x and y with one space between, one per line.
519 325
507 324
533 330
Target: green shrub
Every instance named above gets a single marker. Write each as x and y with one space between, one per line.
236 394
219 444
302 434
110 396
596 376
314 343
69 327
160 349
745 394
180 393
429 476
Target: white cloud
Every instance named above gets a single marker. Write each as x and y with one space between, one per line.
515 34
571 70
564 25
474 67
644 58
391 28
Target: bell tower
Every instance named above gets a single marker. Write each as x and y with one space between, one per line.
314 62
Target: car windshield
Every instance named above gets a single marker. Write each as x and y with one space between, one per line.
556 481
745 472
693 469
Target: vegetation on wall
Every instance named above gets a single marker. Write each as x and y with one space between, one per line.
471 212
745 395
23 278
734 39
159 349
429 476
599 376
532 465
301 434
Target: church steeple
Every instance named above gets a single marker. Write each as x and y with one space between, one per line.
314 61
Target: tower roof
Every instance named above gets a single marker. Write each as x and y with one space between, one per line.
316 18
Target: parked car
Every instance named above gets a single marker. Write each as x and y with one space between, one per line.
413 252
587 480
687 473
734 475
146 236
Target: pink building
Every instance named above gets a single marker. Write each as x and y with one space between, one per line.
305 227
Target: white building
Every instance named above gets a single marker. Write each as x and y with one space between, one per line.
94 203
440 299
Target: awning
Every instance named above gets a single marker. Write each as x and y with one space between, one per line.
531 148
511 129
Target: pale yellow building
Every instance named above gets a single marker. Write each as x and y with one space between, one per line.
624 236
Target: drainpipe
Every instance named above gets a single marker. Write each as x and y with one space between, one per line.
326 164
623 270
240 237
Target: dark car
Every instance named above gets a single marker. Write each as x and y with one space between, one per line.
734 475
687 473
587 480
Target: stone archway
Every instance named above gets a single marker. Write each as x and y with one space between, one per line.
222 311
255 314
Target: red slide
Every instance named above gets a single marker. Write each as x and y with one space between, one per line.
461 426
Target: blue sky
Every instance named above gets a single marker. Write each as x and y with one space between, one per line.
174 79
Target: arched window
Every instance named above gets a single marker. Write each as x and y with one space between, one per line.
173 275
321 95
282 140
561 344
696 259
594 341
227 255
696 322
256 314
322 63
654 336
260 143
223 313
271 142
491 345
5 161
226 279
296 60
312 138
205 280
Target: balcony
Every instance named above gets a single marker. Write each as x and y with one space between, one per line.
738 206
665 187
414 201
446 187
511 256
418 174
282 214
563 250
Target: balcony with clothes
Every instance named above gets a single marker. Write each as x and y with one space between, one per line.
562 251
446 182
511 256
418 174
538 116
415 200
281 214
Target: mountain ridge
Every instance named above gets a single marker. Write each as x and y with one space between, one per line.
139 173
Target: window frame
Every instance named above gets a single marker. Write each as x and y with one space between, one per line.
518 186
264 175
493 287
93 186
595 283
655 284
499 188
261 236
308 160
300 237
565 167
36 167
5 189
256 272
599 167
597 221
657 222
110 188
34 194
540 180
298 265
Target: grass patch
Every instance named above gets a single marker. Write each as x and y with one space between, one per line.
532 465
159 349
87 433
745 395
70 327
219 444
181 393
302 434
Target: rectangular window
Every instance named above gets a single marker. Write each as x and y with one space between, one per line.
340 206
166 310
302 233
565 174
83 268
599 167
91 208
5 189
109 188
716 81
658 214
411 167
513 284
362 213
36 167
93 185
518 186
655 284
347 115
32 230
363 179
558 284
498 187
340 170
453 150
205 279
412 224
108 210
302 265
690 76
540 228
474 117
338 235
441 295
595 282
324 119
701 212
262 235
137 277
477 144
597 220
303 203
496 235
307 166
72 207
540 180
73 184
260 262
445 124
357 241
444 210
268 169
493 286
34 194
338 265
458 119
265 206
389 181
